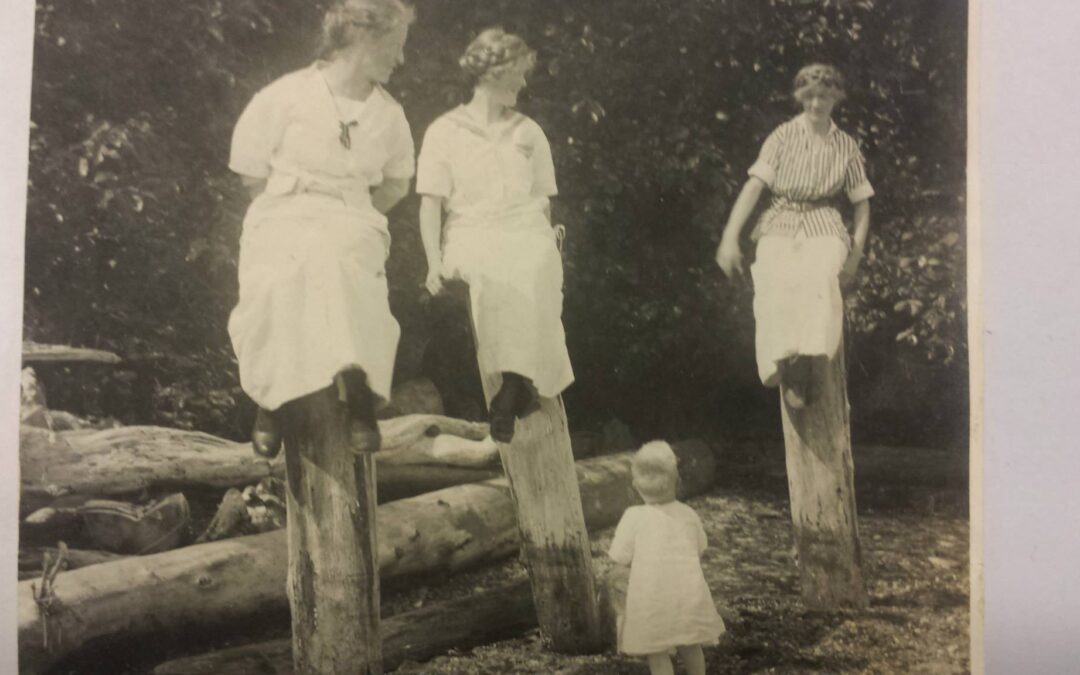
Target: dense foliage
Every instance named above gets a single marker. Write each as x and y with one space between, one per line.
655 108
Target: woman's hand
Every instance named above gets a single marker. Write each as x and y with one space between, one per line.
851 266
729 258
434 282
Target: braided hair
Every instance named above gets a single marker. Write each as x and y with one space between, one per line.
493 52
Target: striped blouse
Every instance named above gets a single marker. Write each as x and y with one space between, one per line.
806 173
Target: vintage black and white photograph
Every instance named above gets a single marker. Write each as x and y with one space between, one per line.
496 336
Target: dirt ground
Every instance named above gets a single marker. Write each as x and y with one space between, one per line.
915 549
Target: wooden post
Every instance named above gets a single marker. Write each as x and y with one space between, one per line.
333 580
539 466
821 477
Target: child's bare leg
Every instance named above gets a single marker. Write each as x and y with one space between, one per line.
660 664
693 659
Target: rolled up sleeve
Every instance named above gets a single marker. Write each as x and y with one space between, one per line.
433 174
256 135
768 160
401 164
856 184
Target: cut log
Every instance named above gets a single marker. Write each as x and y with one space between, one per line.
238 579
821 484
539 467
31 559
125 460
412 636
412 397
34 352
119 527
333 579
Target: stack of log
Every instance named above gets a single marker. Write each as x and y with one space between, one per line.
112 548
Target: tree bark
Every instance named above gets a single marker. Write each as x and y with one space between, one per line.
237 579
413 636
821 484
333 578
31 559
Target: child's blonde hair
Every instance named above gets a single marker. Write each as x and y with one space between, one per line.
656 472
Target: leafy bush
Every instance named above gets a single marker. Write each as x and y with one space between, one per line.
655 110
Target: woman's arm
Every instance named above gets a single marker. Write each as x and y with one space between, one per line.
728 255
858 242
431 235
389 193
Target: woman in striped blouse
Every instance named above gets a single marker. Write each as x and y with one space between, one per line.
804 250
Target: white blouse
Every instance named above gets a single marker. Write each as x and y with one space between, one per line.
488 166
290 135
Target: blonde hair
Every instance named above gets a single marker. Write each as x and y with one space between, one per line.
821 77
493 52
656 471
345 19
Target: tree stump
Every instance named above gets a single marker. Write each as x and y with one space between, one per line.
539 466
333 579
821 474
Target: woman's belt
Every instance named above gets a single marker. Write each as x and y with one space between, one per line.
508 215
283 183
784 204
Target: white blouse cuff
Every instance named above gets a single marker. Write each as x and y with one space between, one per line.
249 167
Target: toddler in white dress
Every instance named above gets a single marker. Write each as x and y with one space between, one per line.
668 604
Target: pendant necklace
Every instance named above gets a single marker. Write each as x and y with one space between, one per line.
343 127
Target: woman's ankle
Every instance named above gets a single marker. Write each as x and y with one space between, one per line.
359 398
364 436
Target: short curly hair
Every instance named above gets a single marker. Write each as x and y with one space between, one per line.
493 52
345 17
656 471
819 77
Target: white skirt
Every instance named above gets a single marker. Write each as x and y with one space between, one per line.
798 308
313 302
515 279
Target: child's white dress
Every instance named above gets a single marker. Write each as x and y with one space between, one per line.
668 603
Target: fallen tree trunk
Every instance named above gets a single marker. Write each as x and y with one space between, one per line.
34 352
228 581
127 460
412 636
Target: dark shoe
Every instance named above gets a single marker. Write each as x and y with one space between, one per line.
528 401
364 438
363 428
504 407
266 436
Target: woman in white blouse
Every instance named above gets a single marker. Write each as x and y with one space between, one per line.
489 169
804 250
325 152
